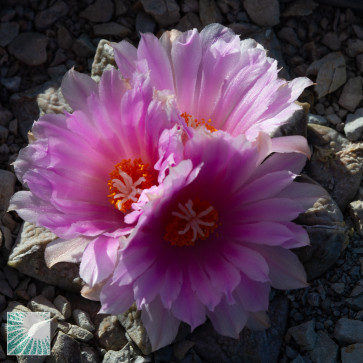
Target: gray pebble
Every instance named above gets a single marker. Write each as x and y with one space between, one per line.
165 12
112 28
8 31
354 125
29 48
338 287
63 305
144 23
83 46
40 303
354 47
49 16
89 355
83 320
351 94
110 333
317 119
356 302
4 132
12 276
304 335
99 12
2 302
325 350
48 292
348 331
352 353
334 119
65 349
6 289
64 38
79 333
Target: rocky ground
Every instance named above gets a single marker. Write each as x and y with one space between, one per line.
41 39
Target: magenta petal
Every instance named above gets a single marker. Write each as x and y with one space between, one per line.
228 319
61 250
266 210
132 263
248 261
160 324
147 286
266 233
172 283
202 286
256 190
76 88
98 260
187 308
115 299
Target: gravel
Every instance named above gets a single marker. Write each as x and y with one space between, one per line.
40 40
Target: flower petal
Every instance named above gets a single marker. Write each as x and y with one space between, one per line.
286 271
228 319
76 88
61 250
98 260
157 60
160 324
125 57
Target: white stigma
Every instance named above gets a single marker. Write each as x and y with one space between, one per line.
127 189
193 220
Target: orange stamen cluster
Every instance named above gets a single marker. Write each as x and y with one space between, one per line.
194 122
127 181
194 220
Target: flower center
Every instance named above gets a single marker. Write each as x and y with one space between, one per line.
127 182
194 122
194 220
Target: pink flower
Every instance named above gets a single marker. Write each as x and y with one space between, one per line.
215 236
216 79
85 169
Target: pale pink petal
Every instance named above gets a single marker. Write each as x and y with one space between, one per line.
98 260
76 88
253 295
288 144
125 57
305 193
157 60
160 324
61 250
258 321
186 53
286 271
92 293
228 319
